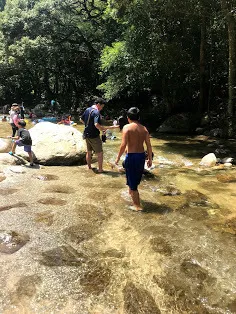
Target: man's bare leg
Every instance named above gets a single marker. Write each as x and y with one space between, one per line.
100 162
88 159
136 199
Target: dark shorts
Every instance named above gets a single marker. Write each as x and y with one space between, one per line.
134 166
94 144
27 148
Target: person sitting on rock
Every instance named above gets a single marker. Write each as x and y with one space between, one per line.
66 120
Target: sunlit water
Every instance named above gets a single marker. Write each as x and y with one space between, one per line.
86 252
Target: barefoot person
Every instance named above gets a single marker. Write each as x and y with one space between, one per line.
133 137
91 118
23 138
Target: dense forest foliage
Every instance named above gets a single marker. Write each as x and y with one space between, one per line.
165 56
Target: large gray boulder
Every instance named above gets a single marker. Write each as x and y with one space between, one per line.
181 123
55 144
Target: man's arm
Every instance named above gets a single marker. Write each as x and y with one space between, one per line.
149 149
123 144
82 121
100 127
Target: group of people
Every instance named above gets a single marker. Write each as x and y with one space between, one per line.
134 135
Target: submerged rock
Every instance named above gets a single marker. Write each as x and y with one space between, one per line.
11 241
26 288
52 201
7 207
231 224
62 256
161 246
96 278
169 190
196 198
8 191
138 301
6 159
46 177
226 178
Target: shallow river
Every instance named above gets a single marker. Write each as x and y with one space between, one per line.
85 252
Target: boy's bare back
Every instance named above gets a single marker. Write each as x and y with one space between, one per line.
136 134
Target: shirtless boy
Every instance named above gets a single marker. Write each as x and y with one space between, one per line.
133 138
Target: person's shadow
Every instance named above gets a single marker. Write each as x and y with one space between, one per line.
113 174
159 209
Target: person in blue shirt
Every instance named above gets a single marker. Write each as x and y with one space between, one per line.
91 118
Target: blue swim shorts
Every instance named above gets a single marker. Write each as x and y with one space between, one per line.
27 148
134 166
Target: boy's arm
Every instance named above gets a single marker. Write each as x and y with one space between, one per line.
123 144
112 127
149 149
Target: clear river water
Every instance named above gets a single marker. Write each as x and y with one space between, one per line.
79 250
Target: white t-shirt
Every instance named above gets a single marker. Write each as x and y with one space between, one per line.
11 113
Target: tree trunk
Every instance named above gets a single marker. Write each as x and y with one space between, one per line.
202 96
227 6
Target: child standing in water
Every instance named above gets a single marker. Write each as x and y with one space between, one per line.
23 138
133 138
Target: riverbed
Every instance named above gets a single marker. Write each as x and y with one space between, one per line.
80 250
